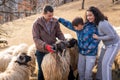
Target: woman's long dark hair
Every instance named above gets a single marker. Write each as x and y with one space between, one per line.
99 16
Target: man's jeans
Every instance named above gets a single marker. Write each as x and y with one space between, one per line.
39 56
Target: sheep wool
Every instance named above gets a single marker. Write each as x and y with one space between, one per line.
31 52
15 71
55 66
4 61
20 48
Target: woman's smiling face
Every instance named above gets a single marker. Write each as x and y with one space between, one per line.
90 16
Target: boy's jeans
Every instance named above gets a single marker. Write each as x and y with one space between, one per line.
85 66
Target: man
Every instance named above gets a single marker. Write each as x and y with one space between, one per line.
45 31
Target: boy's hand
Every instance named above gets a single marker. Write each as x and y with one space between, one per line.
56 17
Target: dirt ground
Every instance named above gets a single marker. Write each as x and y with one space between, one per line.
20 31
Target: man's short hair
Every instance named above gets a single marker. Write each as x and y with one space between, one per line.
48 8
76 21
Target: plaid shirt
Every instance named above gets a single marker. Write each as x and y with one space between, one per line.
87 44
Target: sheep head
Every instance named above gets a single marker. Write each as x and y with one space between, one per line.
59 46
71 42
23 59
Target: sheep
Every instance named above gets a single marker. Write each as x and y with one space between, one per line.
18 69
7 56
9 50
4 61
20 48
56 66
68 36
31 52
73 51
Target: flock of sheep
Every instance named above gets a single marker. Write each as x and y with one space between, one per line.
19 62
13 68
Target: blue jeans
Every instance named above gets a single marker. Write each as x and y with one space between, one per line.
39 56
85 66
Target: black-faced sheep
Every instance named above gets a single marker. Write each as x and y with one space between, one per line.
18 69
56 66
7 55
73 51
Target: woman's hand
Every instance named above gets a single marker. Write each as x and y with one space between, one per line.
95 36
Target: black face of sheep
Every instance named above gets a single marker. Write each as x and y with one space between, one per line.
71 42
60 46
23 59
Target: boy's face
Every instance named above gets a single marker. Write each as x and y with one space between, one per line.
79 27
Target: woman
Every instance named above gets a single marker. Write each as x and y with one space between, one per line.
110 40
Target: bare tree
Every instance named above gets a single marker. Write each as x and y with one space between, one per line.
14 9
83 2
64 1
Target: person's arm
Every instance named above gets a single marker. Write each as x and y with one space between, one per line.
66 23
94 43
35 32
107 30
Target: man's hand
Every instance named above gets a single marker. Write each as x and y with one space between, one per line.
49 48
